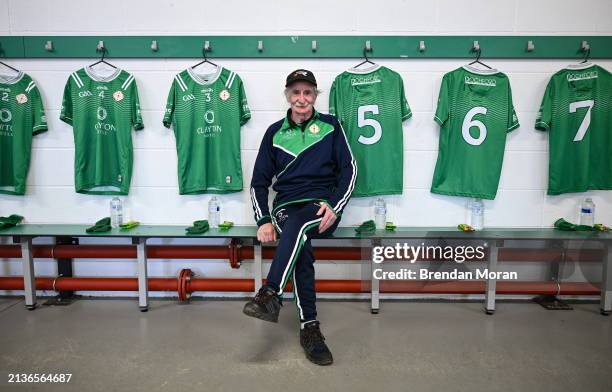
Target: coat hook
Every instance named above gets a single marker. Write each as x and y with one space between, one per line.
530 46
207 47
314 46
260 46
49 46
422 46
476 46
585 46
368 46
154 46
100 47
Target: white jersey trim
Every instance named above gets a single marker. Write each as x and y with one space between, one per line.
479 71
77 79
579 66
198 79
98 78
180 82
6 79
373 68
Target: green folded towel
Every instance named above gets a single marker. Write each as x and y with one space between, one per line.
366 227
226 225
199 227
562 224
10 221
129 225
101 226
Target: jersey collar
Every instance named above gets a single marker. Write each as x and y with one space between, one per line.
362 71
580 66
198 79
6 79
479 71
90 72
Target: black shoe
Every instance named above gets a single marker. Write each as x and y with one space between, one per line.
313 342
264 306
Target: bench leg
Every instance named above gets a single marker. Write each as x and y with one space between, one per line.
491 283
143 283
374 284
606 281
257 266
29 282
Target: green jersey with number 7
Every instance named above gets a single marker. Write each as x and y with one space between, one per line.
577 110
475 112
371 106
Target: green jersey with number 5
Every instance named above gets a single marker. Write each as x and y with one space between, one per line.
577 110
475 112
371 107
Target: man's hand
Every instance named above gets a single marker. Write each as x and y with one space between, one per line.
266 233
329 217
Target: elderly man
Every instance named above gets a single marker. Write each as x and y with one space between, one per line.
315 174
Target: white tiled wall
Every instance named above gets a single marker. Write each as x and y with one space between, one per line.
154 199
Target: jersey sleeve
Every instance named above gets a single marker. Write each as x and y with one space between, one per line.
263 172
442 111
137 122
544 117
513 122
66 112
406 112
38 112
245 111
333 99
169 114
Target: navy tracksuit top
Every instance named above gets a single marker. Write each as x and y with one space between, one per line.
311 161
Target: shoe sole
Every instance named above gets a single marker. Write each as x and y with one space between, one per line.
319 363
262 316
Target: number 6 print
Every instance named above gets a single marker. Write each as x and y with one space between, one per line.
469 123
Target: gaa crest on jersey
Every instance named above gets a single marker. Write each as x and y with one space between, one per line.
118 96
224 94
21 98
314 128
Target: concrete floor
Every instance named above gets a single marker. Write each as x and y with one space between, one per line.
211 346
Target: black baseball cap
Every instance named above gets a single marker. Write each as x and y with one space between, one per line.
301 75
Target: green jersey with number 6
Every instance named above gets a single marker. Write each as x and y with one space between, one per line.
371 107
475 113
102 111
206 112
21 116
577 110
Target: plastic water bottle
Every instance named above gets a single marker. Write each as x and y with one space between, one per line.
380 213
116 212
587 212
477 218
214 212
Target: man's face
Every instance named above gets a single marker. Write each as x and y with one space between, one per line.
302 97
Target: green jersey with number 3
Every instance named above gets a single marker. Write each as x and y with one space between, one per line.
475 113
371 107
577 110
206 112
21 116
102 111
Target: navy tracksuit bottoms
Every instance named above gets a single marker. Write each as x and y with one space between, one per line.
297 224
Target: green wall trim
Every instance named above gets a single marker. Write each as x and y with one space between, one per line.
301 46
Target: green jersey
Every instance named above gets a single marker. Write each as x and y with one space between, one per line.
206 112
21 116
371 107
577 110
474 112
102 112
